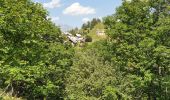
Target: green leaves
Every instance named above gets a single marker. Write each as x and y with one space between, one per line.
147 43
89 75
139 33
32 55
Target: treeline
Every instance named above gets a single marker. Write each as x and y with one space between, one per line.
132 64
91 24
86 27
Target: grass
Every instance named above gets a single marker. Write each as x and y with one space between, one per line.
93 34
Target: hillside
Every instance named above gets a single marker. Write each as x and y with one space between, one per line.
124 56
93 33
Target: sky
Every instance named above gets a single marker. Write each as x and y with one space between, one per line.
76 12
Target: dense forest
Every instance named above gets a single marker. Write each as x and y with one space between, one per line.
131 63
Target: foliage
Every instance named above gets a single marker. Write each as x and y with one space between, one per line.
89 76
91 24
132 64
139 37
94 35
88 38
74 31
94 77
33 59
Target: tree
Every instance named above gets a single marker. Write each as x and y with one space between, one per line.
94 22
74 31
90 77
139 38
33 59
91 24
88 38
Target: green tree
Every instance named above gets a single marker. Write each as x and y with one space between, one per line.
33 59
139 37
74 31
91 24
94 22
89 76
88 38
94 77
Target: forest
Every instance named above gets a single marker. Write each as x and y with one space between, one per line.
132 62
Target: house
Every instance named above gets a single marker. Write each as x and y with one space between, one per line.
100 32
78 35
74 39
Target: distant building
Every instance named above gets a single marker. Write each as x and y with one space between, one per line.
67 33
78 35
100 32
74 39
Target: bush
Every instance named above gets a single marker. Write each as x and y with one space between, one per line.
88 38
91 77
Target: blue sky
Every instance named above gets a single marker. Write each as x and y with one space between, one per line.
75 12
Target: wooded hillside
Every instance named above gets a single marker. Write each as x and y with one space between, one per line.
131 62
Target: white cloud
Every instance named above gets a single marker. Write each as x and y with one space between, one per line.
76 9
52 4
85 20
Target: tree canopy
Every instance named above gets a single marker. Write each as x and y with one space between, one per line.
33 58
139 36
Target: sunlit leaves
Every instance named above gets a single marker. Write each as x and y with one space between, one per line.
33 58
139 33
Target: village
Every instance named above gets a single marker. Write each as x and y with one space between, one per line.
78 38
